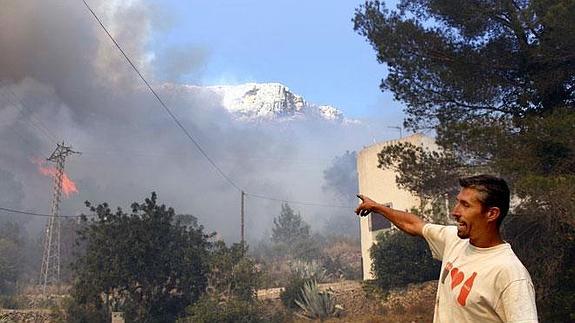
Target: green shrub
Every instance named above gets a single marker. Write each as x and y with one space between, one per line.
9 302
76 312
336 268
232 272
148 263
316 304
209 309
399 260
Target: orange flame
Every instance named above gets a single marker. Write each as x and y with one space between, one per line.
68 186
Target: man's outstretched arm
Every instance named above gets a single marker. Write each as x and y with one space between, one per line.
405 221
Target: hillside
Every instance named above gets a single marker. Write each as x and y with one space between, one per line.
412 304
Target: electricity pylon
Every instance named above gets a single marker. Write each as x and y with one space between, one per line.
50 271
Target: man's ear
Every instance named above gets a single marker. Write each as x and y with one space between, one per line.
493 214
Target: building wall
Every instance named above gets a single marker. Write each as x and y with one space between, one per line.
380 186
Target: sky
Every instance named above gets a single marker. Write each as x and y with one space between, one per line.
62 79
310 46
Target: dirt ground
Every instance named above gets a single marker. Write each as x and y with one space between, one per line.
412 304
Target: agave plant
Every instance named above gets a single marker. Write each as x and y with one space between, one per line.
316 304
308 270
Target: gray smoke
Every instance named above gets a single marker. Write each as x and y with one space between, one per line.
61 79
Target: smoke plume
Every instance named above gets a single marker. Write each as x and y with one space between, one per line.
62 80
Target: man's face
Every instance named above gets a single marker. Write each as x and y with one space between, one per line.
469 214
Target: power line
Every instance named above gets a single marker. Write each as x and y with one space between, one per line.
39 125
36 214
33 122
186 132
226 177
269 198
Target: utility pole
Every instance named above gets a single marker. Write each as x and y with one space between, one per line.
50 271
242 217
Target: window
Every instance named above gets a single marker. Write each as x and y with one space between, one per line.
378 222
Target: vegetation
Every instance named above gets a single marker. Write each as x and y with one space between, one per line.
145 263
10 257
20 257
341 177
292 291
399 260
291 236
232 273
232 284
301 273
495 81
340 181
431 175
308 270
316 304
210 309
294 247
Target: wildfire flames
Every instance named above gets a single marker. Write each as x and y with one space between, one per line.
68 186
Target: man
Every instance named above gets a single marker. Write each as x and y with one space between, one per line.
481 280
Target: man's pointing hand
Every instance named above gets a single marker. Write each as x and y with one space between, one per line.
366 205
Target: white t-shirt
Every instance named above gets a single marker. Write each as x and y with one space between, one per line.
479 284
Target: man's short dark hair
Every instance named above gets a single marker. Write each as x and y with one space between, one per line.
494 192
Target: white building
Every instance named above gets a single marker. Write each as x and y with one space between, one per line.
380 185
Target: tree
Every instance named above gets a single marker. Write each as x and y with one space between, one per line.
12 192
428 174
341 176
289 227
291 235
454 60
494 79
144 263
340 180
11 259
70 248
8 266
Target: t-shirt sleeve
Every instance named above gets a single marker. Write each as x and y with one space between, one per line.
517 303
437 237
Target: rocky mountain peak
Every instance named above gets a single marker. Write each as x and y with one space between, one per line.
271 101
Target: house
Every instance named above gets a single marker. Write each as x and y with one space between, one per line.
379 184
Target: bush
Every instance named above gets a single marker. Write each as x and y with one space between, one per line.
9 302
232 284
233 273
209 309
337 268
399 260
551 265
147 263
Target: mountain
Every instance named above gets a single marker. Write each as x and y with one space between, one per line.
269 102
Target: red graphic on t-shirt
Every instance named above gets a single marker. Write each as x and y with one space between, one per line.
457 277
465 289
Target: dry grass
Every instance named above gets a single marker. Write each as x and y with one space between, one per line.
412 304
